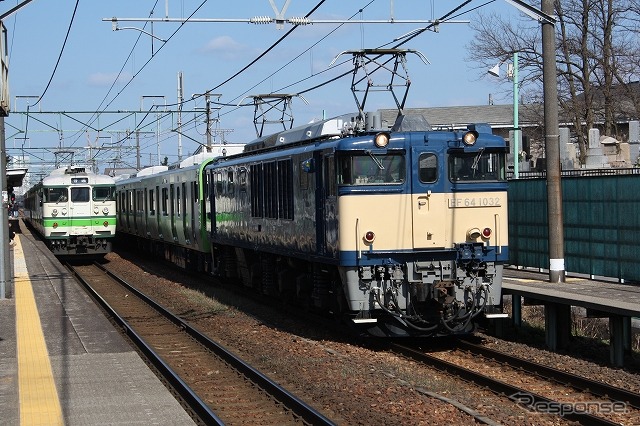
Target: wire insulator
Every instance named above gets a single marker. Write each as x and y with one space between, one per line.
299 21
261 20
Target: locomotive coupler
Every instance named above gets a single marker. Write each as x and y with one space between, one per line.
442 292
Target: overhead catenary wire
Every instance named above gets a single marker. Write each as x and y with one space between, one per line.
191 124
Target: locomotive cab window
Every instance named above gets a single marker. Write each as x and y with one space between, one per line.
368 168
55 195
104 193
479 166
428 168
80 195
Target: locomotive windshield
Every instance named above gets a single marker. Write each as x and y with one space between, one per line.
368 168
482 165
80 195
104 193
55 195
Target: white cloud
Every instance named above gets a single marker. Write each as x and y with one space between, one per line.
224 45
106 79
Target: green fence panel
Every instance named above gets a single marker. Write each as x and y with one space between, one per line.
600 221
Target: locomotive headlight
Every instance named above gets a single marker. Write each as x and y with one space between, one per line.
486 233
95 210
381 140
54 212
64 212
473 234
105 210
369 236
470 138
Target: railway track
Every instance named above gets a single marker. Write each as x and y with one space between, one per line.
533 386
217 386
489 409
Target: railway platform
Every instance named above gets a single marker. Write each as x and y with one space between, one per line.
62 361
599 298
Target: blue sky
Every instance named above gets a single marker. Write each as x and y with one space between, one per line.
95 57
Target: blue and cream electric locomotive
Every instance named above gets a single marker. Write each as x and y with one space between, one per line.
400 229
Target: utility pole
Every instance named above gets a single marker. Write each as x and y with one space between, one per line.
138 150
552 148
180 100
207 97
208 102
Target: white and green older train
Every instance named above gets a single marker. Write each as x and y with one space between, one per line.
74 211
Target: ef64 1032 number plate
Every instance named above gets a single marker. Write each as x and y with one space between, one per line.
474 202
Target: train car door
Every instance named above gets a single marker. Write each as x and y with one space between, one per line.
428 204
159 210
186 228
145 217
172 211
80 210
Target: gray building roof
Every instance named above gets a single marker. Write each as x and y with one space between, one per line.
498 116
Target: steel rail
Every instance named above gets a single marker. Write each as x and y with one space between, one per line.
295 404
499 387
568 379
194 402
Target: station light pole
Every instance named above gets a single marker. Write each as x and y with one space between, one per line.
516 126
513 74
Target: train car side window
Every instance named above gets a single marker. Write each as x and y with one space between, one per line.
270 190
165 201
230 183
255 179
139 202
242 179
428 168
152 202
218 183
172 200
183 199
178 201
285 189
80 195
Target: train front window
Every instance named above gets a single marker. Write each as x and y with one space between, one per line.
479 166
104 193
371 169
55 195
80 195
428 168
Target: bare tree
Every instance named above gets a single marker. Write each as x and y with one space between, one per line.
597 60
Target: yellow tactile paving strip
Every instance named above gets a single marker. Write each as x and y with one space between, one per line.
39 403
